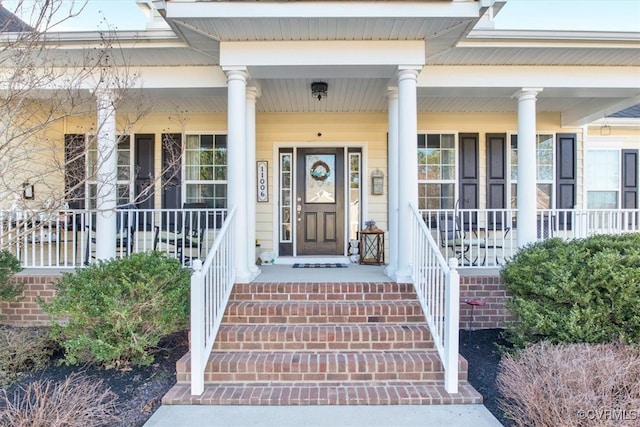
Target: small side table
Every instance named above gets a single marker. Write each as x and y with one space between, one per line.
372 246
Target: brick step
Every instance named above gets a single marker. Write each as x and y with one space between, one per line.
301 312
322 291
330 393
372 336
261 366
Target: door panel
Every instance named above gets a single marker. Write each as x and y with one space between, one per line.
320 201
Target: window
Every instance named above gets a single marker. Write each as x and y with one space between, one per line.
205 163
436 171
354 194
124 167
602 176
286 201
544 171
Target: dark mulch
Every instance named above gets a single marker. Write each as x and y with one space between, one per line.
140 390
481 349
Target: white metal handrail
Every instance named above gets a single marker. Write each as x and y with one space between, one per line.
437 285
211 285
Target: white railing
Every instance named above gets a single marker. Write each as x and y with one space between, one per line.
437 285
211 285
67 239
488 237
476 237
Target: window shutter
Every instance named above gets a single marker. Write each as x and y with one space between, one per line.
496 176
75 172
171 171
629 179
144 171
565 176
469 177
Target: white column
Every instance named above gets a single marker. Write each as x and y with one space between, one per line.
408 167
106 188
527 204
393 170
236 165
252 94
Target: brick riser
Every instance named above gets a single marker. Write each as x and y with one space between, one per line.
373 336
322 343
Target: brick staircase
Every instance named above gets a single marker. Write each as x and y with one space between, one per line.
322 344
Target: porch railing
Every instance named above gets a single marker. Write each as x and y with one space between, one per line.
438 287
488 237
66 238
211 285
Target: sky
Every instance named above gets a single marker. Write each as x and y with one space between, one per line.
576 15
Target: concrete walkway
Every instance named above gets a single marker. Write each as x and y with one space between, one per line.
323 416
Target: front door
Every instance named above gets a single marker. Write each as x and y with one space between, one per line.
320 201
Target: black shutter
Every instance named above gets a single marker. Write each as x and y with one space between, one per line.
629 179
145 147
565 177
75 172
468 189
171 171
496 177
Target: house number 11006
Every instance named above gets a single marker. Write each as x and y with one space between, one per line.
263 186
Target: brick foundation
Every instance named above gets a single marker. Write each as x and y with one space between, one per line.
25 311
489 289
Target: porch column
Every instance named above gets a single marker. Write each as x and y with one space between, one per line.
236 165
408 167
107 175
527 165
393 170
252 95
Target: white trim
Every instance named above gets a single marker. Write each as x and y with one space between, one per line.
319 53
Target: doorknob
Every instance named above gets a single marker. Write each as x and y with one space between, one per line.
299 210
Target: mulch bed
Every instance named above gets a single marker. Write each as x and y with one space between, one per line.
140 390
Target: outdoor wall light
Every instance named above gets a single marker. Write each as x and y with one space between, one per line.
377 182
319 90
27 191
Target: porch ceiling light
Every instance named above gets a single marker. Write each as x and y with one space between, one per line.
319 90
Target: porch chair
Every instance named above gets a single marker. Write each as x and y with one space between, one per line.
451 237
183 232
125 232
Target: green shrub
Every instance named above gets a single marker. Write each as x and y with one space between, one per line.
9 265
584 290
115 312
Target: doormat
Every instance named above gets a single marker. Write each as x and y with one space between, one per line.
321 265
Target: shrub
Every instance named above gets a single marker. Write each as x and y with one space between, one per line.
75 402
115 312
22 349
579 291
9 265
571 385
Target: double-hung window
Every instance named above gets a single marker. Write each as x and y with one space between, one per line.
205 163
124 168
436 171
544 171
